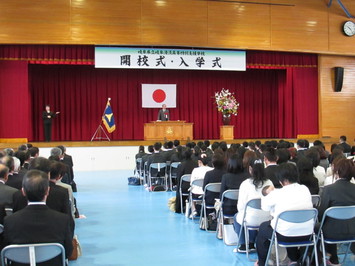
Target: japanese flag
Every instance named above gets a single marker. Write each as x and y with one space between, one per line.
155 95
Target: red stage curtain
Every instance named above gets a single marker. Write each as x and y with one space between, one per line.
15 108
50 54
267 99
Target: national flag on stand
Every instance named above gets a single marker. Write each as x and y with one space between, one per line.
108 119
155 95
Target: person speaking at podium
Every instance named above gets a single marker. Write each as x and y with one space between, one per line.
163 114
47 117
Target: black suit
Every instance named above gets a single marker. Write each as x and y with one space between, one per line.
185 168
58 200
47 124
6 195
231 181
167 154
270 174
164 115
346 147
39 224
15 180
213 176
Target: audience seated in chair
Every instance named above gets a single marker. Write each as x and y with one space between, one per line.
37 223
341 193
292 196
6 192
270 160
306 175
251 188
14 179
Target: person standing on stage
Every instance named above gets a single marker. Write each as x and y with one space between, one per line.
163 114
47 122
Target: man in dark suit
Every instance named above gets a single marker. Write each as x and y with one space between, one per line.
37 223
163 114
6 192
346 146
169 151
14 179
58 197
156 157
68 161
270 159
47 117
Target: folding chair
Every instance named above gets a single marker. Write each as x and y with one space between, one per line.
173 173
158 174
139 169
231 194
32 253
338 213
210 188
196 183
315 201
251 204
184 178
295 216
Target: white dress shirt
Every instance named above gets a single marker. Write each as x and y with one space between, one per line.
199 173
290 197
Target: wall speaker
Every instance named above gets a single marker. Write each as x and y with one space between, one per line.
338 78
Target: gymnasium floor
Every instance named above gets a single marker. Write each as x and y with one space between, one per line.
127 225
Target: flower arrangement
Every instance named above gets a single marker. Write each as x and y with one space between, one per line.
226 102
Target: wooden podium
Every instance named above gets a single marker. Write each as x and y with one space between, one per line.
160 130
227 132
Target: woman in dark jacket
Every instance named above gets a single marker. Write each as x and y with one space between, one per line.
341 193
307 178
185 168
231 180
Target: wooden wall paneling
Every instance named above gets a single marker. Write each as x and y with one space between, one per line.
302 27
337 108
38 21
239 25
174 22
106 22
338 41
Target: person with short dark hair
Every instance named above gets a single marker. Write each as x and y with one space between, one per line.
341 193
34 152
346 146
270 160
37 223
292 196
141 152
47 117
185 168
6 192
176 143
169 151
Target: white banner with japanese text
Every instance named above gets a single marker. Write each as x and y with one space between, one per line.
188 59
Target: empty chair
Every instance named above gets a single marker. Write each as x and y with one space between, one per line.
228 233
338 213
308 218
213 188
183 193
32 253
157 175
173 173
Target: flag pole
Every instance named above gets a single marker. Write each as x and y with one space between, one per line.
99 130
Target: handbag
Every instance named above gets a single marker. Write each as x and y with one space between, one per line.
76 249
134 181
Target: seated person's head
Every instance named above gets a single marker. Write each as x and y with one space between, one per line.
56 152
235 164
57 170
344 168
287 174
314 155
301 143
218 161
34 151
35 186
8 161
4 172
41 164
150 149
283 155
157 146
270 155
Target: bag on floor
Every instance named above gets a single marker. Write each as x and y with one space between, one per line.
229 235
157 188
76 249
134 181
172 203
